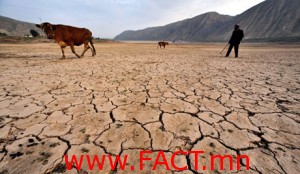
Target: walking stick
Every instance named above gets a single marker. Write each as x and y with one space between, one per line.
224 48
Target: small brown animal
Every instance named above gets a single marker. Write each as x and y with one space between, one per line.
160 44
69 36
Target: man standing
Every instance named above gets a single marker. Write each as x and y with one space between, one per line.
235 40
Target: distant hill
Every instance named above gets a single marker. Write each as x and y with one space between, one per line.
268 20
197 28
13 27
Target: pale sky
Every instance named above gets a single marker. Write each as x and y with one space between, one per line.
108 18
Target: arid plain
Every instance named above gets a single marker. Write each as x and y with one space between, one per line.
132 97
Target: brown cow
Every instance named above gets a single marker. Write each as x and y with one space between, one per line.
69 36
160 44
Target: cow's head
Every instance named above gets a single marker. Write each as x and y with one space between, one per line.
48 29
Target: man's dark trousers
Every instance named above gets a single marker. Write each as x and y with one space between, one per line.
236 50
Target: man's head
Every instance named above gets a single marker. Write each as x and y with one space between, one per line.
47 28
236 27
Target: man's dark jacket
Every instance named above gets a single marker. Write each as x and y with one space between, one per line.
237 36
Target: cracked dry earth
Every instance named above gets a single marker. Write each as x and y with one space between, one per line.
133 97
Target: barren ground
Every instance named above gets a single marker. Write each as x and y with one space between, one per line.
133 97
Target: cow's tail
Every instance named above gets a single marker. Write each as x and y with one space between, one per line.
93 48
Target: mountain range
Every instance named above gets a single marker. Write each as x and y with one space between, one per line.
12 27
270 19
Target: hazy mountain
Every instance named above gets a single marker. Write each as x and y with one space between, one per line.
16 28
195 28
269 19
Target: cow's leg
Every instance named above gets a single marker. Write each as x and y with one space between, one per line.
92 48
62 50
86 47
73 50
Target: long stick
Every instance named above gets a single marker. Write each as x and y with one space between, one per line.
224 48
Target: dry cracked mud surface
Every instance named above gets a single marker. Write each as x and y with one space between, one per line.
133 97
